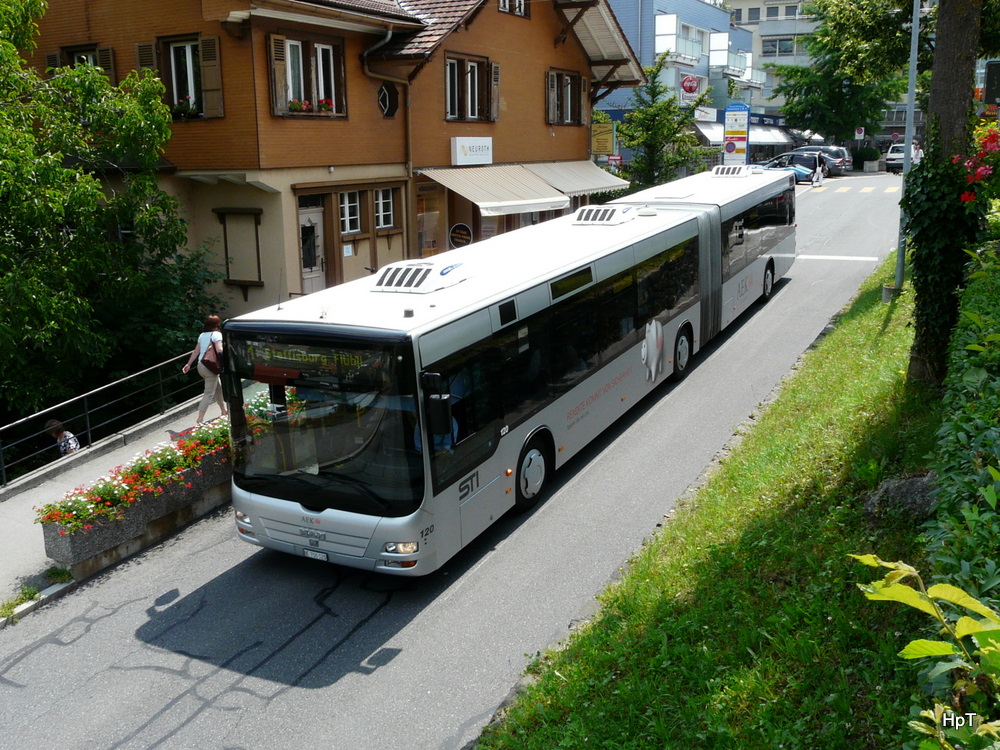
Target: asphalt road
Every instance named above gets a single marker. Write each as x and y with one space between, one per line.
206 642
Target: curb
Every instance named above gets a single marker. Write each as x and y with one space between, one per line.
44 597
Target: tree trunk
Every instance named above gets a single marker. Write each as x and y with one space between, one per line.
956 48
938 261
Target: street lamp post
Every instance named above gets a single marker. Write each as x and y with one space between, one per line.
911 98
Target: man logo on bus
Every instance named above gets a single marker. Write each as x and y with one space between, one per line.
652 349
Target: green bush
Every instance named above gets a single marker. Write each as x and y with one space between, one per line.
964 540
867 153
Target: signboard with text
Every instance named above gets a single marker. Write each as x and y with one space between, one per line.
736 137
602 138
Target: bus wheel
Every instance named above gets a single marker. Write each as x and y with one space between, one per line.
768 281
682 353
532 474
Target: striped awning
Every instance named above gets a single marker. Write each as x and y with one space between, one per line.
500 190
577 177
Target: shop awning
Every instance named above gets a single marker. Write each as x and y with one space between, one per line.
577 177
760 135
500 190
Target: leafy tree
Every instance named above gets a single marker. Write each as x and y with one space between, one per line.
659 132
90 269
823 100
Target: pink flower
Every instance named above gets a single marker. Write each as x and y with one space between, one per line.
984 171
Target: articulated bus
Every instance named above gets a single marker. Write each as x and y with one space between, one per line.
384 423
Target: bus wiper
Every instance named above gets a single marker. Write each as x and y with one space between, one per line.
363 487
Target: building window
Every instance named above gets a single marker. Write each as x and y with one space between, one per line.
564 98
779 47
385 217
326 79
738 15
515 7
191 71
102 58
388 99
753 15
307 76
772 13
791 11
350 212
185 77
468 90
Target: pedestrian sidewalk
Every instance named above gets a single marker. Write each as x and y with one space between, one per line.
22 553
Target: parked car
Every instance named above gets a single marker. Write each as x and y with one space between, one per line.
841 159
894 157
802 164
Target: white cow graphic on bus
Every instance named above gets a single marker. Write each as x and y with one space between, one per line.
652 349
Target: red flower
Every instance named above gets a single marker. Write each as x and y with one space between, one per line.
62 532
967 197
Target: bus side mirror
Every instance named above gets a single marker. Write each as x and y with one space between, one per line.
438 403
439 414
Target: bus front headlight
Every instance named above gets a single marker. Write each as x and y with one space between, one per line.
401 548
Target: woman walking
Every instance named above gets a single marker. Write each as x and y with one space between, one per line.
210 336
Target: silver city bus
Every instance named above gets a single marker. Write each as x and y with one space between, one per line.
384 423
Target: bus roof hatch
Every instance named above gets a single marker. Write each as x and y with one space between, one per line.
422 277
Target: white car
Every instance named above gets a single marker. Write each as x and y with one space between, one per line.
894 158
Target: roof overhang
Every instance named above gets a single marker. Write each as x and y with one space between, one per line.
326 17
500 190
613 63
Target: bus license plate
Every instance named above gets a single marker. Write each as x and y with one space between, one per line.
315 555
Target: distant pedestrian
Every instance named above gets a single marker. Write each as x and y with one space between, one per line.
817 178
210 337
917 154
65 440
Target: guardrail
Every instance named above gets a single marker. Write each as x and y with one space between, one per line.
25 444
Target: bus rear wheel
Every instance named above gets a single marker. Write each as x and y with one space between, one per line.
768 282
682 353
533 469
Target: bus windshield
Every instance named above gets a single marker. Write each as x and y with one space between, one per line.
325 424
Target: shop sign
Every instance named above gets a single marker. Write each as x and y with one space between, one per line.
465 151
460 235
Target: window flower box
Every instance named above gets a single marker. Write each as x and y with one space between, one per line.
140 503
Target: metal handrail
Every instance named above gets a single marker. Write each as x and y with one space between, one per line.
84 415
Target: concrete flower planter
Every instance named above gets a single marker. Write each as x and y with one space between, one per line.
872 166
152 518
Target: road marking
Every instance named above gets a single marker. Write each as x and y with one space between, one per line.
867 190
864 258
892 189
843 189
817 189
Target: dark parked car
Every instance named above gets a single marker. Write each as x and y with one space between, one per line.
802 164
840 157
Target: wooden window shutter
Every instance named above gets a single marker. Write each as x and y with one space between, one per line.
551 97
211 76
106 62
145 56
584 101
279 74
494 91
341 80
53 60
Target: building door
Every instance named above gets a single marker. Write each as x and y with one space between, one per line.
311 244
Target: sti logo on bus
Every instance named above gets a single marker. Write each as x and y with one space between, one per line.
448 269
468 485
